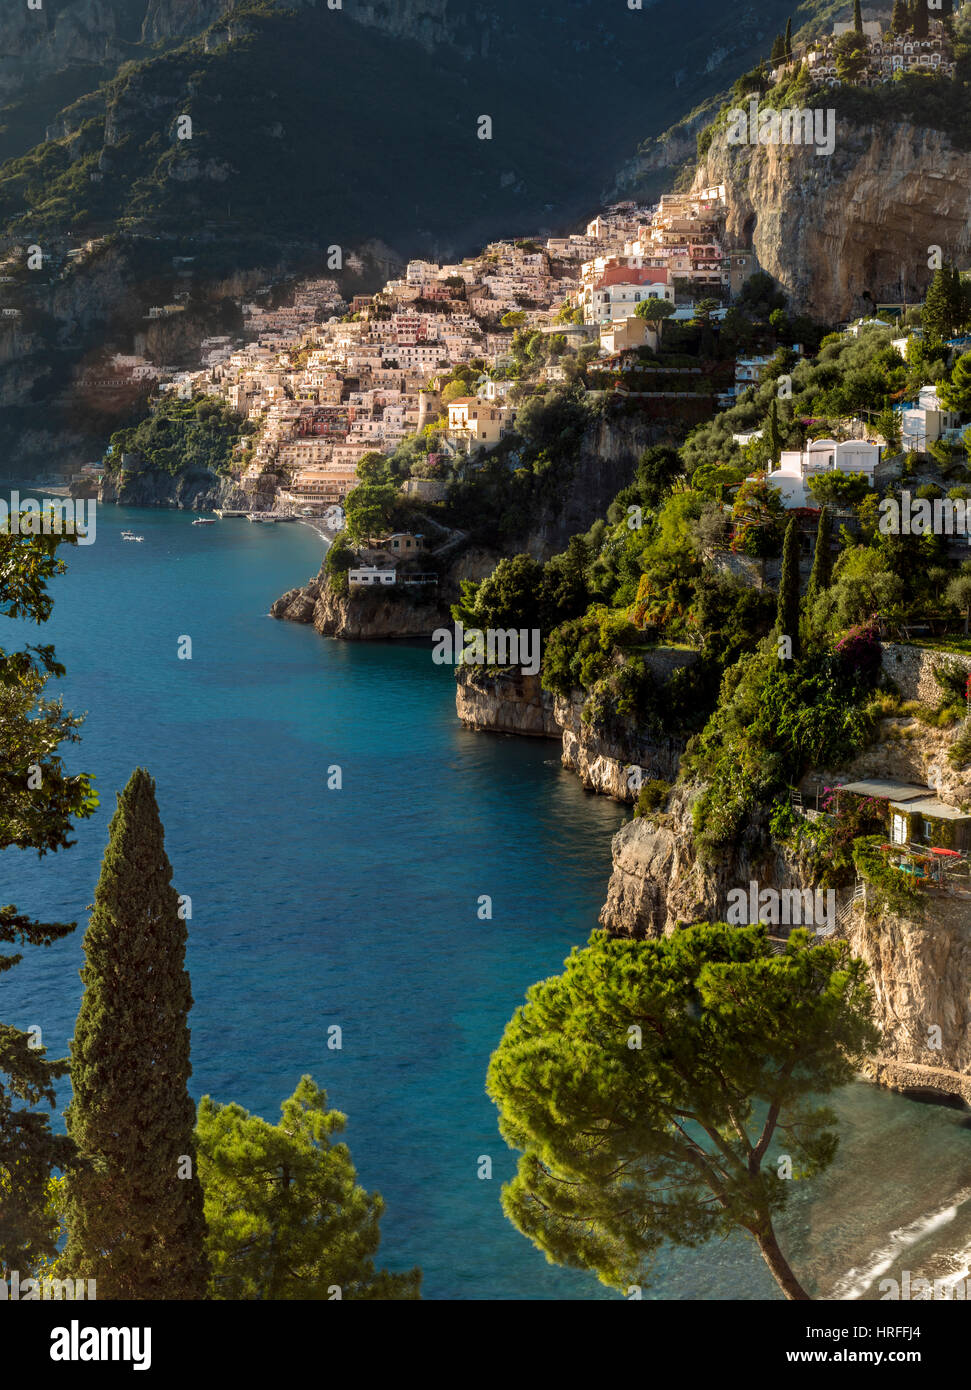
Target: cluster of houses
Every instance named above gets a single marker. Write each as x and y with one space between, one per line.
886 55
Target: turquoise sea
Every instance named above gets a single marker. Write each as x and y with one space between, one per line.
357 907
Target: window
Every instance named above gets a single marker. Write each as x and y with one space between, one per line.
929 831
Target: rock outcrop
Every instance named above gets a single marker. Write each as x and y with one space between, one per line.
844 232
505 703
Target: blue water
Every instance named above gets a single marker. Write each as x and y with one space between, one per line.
357 907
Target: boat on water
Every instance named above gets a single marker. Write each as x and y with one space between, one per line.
130 536
204 521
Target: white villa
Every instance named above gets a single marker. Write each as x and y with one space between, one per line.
927 421
797 466
368 575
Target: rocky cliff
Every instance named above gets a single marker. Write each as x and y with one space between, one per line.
920 964
844 232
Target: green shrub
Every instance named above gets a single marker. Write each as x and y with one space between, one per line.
652 797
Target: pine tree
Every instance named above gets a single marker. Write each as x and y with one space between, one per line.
822 570
858 17
787 615
955 394
287 1217
788 40
938 317
38 803
134 1212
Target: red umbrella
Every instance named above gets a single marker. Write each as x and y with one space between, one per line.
950 853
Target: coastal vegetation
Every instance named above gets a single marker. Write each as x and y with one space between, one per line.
180 436
666 1092
39 803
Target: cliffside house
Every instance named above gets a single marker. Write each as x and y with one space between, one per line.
473 422
926 420
797 466
917 816
371 576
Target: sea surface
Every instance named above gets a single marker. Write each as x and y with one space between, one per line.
359 906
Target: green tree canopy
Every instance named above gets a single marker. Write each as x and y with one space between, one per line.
39 802
656 1088
368 510
956 393
286 1215
134 1209
839 489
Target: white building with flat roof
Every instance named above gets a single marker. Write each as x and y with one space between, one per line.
798 466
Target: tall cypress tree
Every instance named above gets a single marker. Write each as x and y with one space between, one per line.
789 39
787 616
900 19
773 434
921 20
822 570
857 17
134 1212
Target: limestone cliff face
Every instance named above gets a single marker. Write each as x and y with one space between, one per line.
602 757
193 491
505 703
361 616
921 975
836 229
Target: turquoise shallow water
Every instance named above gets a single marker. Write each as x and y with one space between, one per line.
357 907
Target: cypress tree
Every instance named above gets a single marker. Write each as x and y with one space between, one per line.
938 313
134 1211
921 20
787 617
789 39
773 434
778 50
822 570
857 17
900 20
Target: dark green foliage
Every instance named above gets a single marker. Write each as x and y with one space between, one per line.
339 559
945 306
732 616
651 797
787 615
196 435
134 1212
38 804
772 724
821 574
652 1088
286 1215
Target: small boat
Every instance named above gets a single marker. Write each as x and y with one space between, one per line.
204 521
130 536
